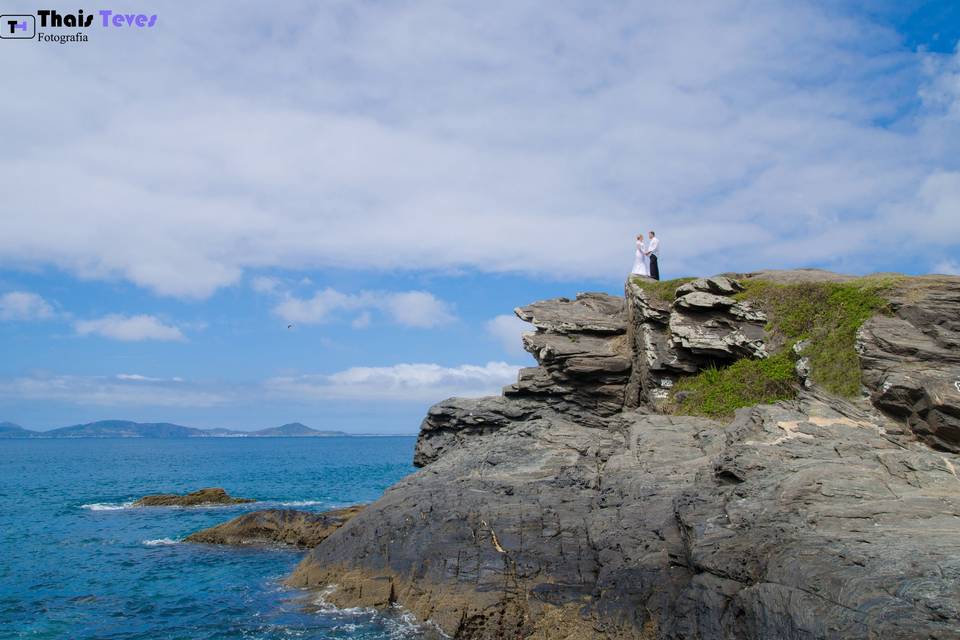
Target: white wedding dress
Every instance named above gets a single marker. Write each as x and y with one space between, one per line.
640 267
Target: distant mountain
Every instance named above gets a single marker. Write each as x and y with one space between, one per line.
125 429
294 430
10 430
129 429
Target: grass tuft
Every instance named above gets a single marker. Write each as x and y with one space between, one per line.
662 290
717 393
827 314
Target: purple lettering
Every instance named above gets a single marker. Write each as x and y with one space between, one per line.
105 14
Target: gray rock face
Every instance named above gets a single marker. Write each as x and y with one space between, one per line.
539 515
806 520
584 359
911 361
588 313
585 362
449 423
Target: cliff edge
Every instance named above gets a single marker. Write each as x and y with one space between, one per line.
756 456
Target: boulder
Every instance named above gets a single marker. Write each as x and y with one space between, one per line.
588 312
277 526
699 301
719 285
212 495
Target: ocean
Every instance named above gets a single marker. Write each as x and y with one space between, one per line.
78 561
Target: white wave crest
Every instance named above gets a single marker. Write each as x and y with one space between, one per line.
399 623
107 506
159 542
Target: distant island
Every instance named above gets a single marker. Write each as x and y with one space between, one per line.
129 429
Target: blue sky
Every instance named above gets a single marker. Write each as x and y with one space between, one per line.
394 178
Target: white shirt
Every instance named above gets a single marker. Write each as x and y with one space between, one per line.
654 247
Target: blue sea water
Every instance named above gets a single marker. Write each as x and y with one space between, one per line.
77 561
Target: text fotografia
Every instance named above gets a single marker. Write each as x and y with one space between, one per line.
46 23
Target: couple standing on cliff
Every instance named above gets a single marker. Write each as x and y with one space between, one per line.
646 262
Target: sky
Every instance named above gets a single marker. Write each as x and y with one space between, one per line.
250 214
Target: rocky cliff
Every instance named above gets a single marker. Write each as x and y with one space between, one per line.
582 503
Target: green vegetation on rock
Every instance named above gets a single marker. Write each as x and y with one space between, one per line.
718 393
826 315
662 290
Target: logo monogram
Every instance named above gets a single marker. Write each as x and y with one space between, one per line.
14 27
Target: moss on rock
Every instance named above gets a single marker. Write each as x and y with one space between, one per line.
662 290
825 315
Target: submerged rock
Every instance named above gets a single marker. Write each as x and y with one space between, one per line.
277 526
212 495
569 508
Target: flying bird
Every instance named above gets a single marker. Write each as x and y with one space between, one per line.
289 326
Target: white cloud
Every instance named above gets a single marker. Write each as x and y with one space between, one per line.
417 309
401 382
114 391
498 138
23 305
265 284
321 306
948 267
507 329
129 328
362 321
409 308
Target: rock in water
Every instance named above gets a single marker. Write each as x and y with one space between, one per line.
212 495
277 526
553 513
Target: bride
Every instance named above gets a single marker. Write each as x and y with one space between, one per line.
640 267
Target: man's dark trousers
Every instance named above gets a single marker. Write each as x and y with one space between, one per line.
654 267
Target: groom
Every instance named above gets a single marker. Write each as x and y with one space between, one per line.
653 253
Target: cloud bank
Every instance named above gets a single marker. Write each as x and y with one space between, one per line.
23 306
499 138
400 383
419 309
419 382
129 328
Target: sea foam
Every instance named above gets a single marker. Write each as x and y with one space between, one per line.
107 506
159 542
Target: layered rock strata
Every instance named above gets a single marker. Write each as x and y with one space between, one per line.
911 360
